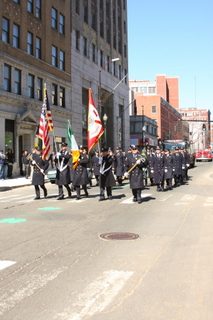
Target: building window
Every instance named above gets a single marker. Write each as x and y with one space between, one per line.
120 72
54 56
16 1
5 30
38 48
30 6
93 14
62 97
39 89
125 27
17 81
31 79
9 134
85 46
77 7
62 24
102 29
30 43
93 53
54 18
7 78
151 89
16 35
62 60
101 58
125 51
126 76
85 10
54 94
77 39
143 89
38 9
153 109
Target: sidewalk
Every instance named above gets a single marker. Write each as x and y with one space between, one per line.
17 182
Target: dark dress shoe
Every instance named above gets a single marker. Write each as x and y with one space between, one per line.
45 193
134 200
36 198
139 201
86 194
78 198
60 198
101 199
110 197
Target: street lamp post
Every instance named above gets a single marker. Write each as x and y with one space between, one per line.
105 132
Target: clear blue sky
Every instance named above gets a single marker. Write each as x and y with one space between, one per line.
174 37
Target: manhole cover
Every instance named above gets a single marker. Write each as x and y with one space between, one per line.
119 236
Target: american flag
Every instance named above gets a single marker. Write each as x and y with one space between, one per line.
44 128
48 112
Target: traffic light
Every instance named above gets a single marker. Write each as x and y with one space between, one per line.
204 127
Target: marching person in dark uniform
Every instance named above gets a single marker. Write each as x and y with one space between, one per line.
62 159
96 166
157 167
106 178
119 165
177 170
149 156
80 175
184 164
187 163
89 167
136 174
168 169
39 167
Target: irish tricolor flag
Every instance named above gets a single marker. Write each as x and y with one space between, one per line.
72 143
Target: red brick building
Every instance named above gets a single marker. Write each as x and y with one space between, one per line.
159 100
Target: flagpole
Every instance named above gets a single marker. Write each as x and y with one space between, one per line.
53 132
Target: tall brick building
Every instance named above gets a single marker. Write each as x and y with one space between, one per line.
159 100
66 46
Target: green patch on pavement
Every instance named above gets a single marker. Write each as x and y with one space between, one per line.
49 208
12 220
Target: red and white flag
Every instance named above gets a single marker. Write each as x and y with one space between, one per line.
95 127
45 126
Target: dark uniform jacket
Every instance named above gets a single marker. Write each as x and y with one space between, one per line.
95 165
136 175
178 161
119 164
38 176
80 176
158 166
168 165
106 176
149 165
63 169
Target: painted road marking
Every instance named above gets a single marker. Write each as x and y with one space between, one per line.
18 198
97 295
130 201
209 202
12 220
188 198
166 197
5 264
49 208
26 286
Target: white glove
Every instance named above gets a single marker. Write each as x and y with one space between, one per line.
173 169
183 167
42 170
152 171
187 165
33 162
58 155
100 160
138 161
126 174
166 170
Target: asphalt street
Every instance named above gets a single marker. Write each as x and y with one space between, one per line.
54 264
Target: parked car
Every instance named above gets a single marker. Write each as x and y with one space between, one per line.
51 175
203 155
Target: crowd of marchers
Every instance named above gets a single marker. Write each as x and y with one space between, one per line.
161 168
